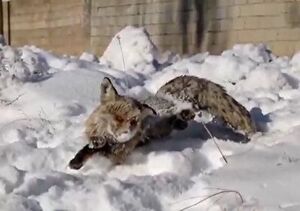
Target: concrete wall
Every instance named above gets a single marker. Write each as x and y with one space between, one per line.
184 26
188 26
172 24
62 26
275 22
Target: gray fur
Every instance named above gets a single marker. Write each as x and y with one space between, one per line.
203 94
160 105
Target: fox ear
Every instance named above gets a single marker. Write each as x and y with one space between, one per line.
108 91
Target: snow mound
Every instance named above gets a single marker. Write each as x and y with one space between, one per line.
88 57
22 64
243 66
135 46
295 62
259 53
270 78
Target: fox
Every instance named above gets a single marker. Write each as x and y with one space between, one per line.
121 123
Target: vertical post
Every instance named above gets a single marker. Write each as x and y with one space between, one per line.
1 18
8 23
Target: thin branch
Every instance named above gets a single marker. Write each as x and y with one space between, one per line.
7 103
213 195
119 41
123 59
209 133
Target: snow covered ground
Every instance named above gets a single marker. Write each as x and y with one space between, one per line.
44 100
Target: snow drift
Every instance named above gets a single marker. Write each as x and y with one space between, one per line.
45 99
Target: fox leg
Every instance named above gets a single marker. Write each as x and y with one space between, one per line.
116 152
95 145
186 114
88 151
162 126
181 119
120 151
82 156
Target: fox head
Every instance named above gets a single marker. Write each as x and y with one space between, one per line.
119 116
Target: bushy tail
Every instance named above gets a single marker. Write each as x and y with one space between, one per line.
206 95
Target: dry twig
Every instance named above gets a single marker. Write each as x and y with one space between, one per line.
209 133
213 195
119 41
7 103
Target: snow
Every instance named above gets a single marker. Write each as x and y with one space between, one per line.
134 45
45 99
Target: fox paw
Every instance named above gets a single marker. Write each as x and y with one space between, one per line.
97 142
187 114
75 164
82 156
180 124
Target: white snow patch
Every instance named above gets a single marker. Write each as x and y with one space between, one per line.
134 46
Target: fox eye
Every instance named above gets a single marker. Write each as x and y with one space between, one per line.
119 119
133 121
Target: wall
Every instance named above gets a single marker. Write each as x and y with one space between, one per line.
275 22
62 26
189 26
184 26
172 24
